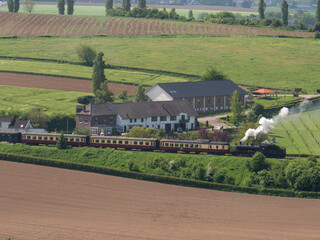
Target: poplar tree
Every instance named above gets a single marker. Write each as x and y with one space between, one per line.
142 4
190 14
236 109
16 5
10 4
140 96
109 4
318 11
70 4
61 7
98 76
285 12
261 8
126 5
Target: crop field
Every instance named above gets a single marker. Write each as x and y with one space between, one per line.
299 133
260 61
79 71
28 25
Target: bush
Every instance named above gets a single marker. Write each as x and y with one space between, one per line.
316 27
317 34
85 99
213 74
257 163
86 54
58 123
62 143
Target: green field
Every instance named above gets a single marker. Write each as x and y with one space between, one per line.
299 133
101 11
70 70
51 101
284 63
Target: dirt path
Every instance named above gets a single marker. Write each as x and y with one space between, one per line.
39 202
58 83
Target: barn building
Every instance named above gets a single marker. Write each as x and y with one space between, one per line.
116 118
204 97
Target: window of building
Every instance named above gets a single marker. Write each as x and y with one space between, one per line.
80 119
154 119
142 119
111 119
135 120
173 118
163 118
130 120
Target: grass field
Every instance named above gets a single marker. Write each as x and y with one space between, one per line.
283 63
299 133
51 101
56 69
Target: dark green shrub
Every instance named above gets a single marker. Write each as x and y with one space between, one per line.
85 99
317 34
62 143
257 163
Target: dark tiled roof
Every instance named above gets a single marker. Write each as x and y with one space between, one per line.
133 110
97 109
19 124
6 119
201 89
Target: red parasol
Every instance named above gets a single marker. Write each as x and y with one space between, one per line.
263 90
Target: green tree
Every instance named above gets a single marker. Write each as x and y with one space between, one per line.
10 4
318 11
126 5
285 12
28 6
86 54
190 14
16 5
62 143
103 94
142 4
257 163
38 118
261 8
109 5
98 76
236 109
140 95
172 14
61 7
70 4
258 109
213 74
123 95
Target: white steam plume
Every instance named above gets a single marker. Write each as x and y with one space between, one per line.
265 125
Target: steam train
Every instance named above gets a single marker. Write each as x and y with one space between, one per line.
148 144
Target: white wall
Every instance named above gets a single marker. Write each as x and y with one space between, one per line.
157 94
147 122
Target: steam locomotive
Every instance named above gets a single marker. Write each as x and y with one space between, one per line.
148 144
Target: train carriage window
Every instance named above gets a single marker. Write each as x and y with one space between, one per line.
126 142
40 138
196 145
34 137
141 143
45 138
200 146
71 140
171 144
166 144
181 145
217 147
77 139
120 142
114 141
191 145
51 138
176 145
222 147
187 145
147 143
108 141
135 143
97 140
28 137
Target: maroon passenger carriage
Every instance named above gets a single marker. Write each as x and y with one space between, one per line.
52 138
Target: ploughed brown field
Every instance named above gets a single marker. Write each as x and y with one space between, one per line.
38 202
30 25
58 83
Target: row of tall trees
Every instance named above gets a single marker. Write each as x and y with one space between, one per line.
126 4
13 5
61 7
284 10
